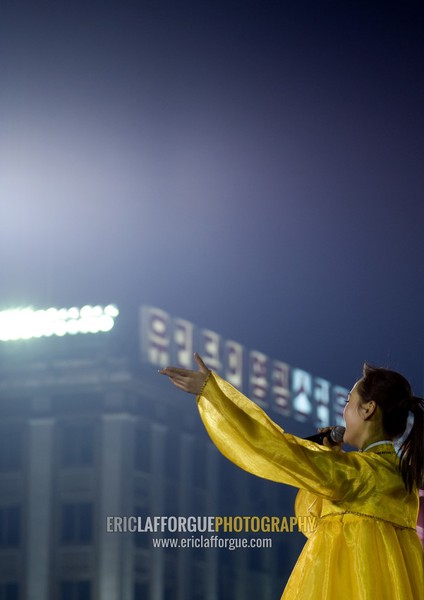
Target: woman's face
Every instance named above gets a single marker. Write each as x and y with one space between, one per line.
353 415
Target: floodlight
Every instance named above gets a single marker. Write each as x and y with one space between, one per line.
111 311
26 323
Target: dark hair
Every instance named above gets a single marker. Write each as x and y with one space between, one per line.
393 394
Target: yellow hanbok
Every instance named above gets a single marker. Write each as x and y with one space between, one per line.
365 545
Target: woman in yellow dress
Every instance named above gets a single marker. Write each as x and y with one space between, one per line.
365 545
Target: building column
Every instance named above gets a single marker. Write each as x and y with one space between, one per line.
115 556
242 583
40 457
185 504
212 503
157 574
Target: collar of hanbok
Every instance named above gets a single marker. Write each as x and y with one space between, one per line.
380 443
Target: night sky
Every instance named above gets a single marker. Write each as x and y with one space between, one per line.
254 167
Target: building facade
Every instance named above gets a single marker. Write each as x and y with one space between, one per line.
86 435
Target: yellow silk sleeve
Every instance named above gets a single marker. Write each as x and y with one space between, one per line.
243 432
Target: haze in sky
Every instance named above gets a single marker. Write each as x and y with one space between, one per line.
253 167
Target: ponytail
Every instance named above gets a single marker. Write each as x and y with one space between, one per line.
412 449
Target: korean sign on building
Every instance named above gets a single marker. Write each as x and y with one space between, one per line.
272 384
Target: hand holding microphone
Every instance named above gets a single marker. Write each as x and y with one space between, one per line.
328 436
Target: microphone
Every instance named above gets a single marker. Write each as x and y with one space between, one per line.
334 436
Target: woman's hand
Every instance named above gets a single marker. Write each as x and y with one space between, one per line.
188 381
326 441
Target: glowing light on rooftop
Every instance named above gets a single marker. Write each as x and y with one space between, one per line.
27 323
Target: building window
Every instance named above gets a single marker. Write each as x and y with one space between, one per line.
199 465
257 559
77 523
11 440
227 584
142 447
10 517
75 590
9 591
170 583
141 590
198 581
172 454
77 444
142 539
171 501
229 485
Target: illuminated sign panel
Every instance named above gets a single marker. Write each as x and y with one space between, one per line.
321 397
211 349
272 384
233 361
301 393
258 378
182 347
280 388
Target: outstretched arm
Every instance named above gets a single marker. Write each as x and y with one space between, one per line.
248 437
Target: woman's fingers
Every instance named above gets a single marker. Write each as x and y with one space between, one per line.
183 383
336 447
176 377
187 380
175 372
180 384
202 367
326 441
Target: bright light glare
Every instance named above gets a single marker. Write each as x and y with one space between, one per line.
111 311
26 323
